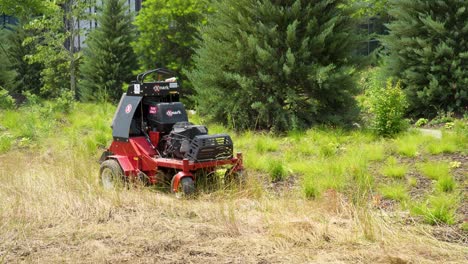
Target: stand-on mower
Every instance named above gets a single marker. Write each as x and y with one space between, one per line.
153 140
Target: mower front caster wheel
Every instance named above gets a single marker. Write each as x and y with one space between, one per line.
112 175
186 186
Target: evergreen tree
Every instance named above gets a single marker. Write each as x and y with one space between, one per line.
27 75
428 51
277 64
109 59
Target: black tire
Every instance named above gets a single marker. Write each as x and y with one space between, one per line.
186 186
112 175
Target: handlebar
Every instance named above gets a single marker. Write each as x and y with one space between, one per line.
141 76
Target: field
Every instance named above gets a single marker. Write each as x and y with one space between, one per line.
324 195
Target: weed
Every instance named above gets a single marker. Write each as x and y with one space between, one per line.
434 170
438 209
395 191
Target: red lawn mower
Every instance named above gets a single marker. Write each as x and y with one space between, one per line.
153 140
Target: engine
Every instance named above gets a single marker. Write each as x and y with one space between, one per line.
193 142
182 139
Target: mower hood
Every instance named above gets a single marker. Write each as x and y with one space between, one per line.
123 117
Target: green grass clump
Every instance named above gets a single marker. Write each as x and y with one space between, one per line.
440 146
438 209
276 170
395 191
393 170
310 188
445 184
434 170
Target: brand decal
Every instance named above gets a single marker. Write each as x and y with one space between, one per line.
170 113
157 88
153 110
128 108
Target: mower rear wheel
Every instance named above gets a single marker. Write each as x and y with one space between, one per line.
186 186
112 175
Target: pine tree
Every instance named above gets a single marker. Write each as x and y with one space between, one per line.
27 75
109 59
277 64
428 51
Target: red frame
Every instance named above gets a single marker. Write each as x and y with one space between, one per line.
137 155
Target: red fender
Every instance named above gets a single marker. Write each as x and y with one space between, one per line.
125 164
175 181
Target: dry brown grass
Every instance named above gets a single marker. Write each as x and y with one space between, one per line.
53 211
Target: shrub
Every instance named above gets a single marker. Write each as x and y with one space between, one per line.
421 122
6 101
388 105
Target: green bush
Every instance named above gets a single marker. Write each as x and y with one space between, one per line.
388 105
6 101
421 122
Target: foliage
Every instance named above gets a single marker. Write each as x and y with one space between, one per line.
108 59
276 65
421 122
23 8
55 49
6 101
6 74
167 31
27 75
388 105
428 53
